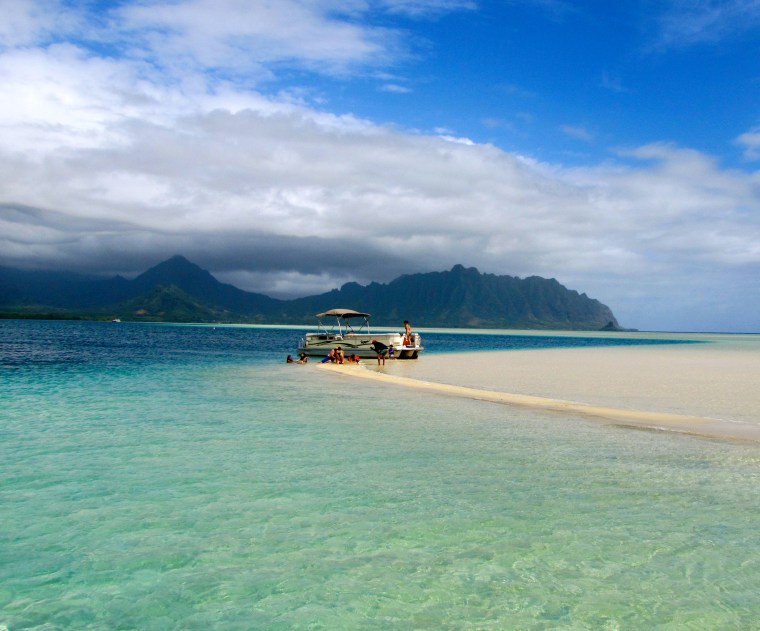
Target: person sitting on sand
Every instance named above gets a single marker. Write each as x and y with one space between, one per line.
381 350
340 356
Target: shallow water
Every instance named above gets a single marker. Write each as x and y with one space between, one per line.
183 477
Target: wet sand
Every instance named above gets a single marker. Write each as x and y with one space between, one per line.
709 390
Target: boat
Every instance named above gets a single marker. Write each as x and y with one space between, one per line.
350 331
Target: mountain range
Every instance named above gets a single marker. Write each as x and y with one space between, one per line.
177 290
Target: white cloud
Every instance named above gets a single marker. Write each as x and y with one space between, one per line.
688 22
62 97
456 139
395 88
238 36
113 162
29 22
227 186
750 140
236 39
420 8
578 132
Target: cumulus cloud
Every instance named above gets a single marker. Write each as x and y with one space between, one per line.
273 197
111 164
242 36
30 22
750 140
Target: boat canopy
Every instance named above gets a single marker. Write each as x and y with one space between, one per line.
343 313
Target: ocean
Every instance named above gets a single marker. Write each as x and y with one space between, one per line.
185 477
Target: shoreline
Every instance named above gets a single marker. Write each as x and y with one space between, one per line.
700 390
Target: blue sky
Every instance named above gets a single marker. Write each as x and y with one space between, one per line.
567 82
290 147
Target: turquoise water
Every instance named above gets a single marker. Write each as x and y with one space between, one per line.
186 478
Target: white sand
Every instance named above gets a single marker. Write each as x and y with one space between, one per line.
704 389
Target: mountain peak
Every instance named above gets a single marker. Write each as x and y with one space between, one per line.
176 271
461 269
176 262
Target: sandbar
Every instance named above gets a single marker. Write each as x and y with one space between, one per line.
708 390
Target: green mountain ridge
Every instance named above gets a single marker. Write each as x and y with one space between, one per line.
177 290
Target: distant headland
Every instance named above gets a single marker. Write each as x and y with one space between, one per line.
178 290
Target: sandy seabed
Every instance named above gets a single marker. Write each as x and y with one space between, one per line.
709 389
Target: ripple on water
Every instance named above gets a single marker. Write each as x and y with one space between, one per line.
233 494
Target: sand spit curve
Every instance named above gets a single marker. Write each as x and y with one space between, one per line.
642 419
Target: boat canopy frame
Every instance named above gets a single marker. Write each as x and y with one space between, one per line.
344 315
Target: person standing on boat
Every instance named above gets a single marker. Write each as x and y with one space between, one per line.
381 350
408 339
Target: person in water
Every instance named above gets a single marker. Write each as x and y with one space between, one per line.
381 350
289 360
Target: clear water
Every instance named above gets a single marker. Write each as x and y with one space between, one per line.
157 477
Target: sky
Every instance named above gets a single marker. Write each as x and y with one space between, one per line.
292 146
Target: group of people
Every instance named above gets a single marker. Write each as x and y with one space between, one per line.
302 359
338 356
384 351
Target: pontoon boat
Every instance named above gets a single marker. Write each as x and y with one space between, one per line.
351 332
